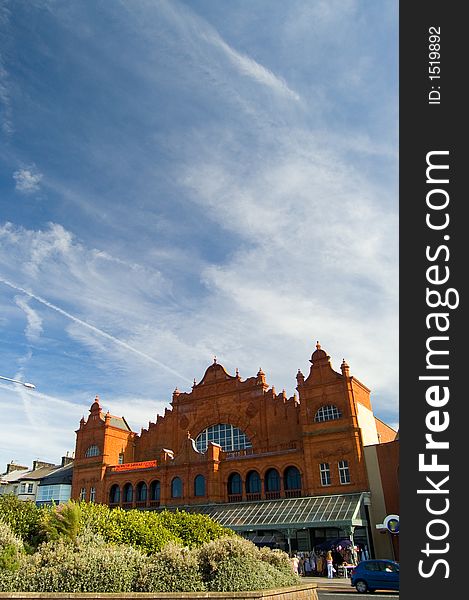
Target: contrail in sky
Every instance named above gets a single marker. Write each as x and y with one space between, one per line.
100 332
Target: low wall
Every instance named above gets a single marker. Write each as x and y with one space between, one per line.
306 591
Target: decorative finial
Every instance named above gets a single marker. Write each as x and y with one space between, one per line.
318 345
215 360
237 372
195 383
188 435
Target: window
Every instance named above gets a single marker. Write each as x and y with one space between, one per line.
121 459
230 438
142 492
128 493
83 494
344 473
115 494
176 488
30 488
92 451
235 485
23 488
253 483
272 481
292 479
155 489
92 494
199 485
325 472
329 412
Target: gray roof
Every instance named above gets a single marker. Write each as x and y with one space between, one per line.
38 473
296 513
63 475
118 422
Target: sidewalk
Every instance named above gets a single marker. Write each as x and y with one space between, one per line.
338 583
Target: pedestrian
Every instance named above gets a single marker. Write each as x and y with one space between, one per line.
330 566
295 563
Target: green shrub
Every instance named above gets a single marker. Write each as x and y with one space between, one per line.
23 518
236 564
11 548
66 567
173 569
193 529
62 521
242 574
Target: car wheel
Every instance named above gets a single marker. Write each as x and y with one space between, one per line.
361 586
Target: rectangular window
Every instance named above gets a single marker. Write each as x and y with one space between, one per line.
92 494
30 488
325 471
83 494
344 473
23 488
121 459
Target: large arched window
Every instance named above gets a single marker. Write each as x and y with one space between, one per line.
142 492
230 438
114 494
235 487
176 488
199 485
155 493
292 482
328 412
253 483
92 451
272 484
128 493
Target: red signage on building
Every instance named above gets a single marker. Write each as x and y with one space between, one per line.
146 464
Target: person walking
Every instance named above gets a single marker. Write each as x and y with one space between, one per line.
330 566
295 563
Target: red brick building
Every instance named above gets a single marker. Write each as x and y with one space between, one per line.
237 441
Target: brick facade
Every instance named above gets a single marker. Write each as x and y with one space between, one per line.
286 434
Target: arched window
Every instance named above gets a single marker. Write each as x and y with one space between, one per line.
114 494
142 492
235 487
292 482
272 484
176 488
155 491
92 451
253 483
199 485
328 412
128 493
230 438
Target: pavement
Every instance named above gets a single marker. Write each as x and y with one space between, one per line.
336 584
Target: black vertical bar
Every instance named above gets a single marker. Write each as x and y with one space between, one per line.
433 71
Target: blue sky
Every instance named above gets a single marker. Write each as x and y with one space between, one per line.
180 180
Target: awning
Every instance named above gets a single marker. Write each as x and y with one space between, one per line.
339 510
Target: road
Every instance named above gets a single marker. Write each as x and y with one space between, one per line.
351 594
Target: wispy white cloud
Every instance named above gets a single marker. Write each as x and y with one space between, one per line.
27 180
34 322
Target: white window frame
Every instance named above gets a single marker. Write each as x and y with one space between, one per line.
92 494
91 451
83 493
30 488
344 472
325 473
327 412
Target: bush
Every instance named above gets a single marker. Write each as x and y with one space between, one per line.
23 518
235 564
11 548
242 574
193 529
174 569
62 521
66 567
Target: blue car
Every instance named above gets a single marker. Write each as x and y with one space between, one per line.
371 575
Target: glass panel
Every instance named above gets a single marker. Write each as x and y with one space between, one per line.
199 485
230 438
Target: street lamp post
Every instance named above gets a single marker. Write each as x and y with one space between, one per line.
30 386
